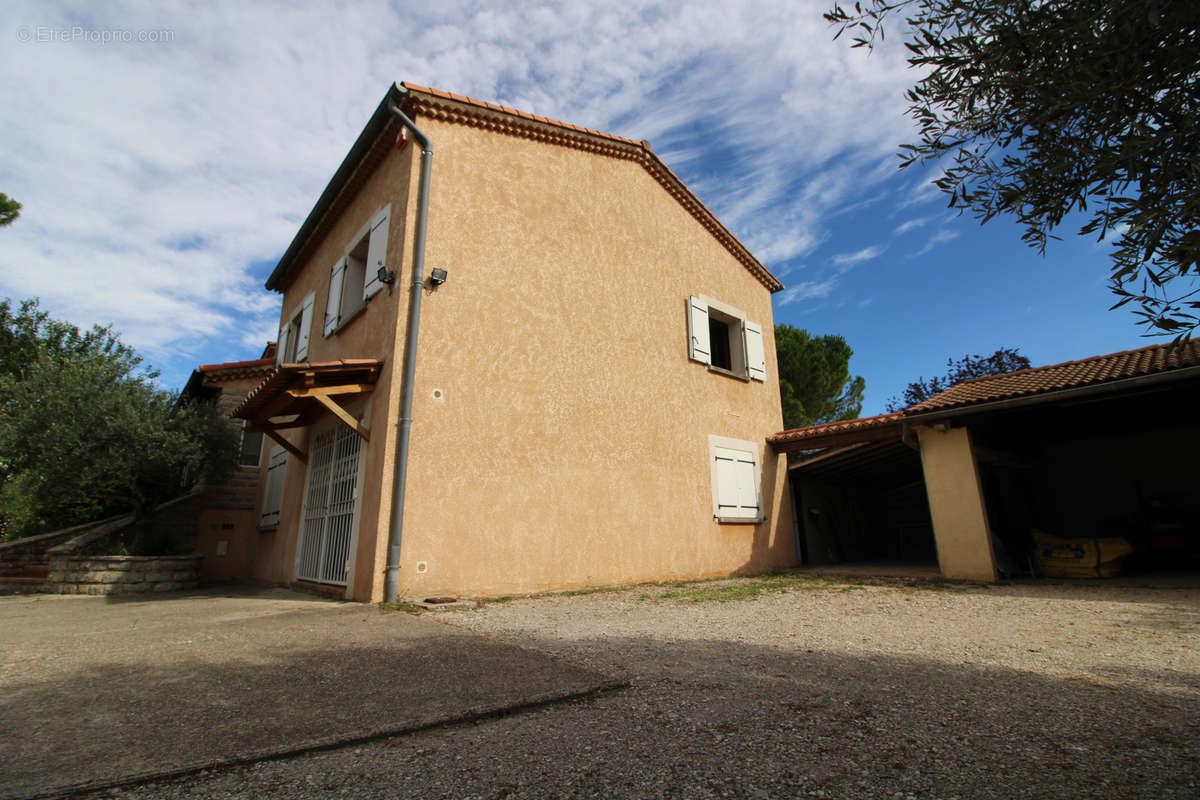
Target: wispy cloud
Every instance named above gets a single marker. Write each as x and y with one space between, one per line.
912 225
808 290
161 180
846 261
939 238
923 191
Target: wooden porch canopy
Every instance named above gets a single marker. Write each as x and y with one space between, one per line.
295 396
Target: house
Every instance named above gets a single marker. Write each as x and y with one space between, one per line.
223 518
1088 449
591 369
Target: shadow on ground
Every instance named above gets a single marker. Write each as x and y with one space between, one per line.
725 719
91 707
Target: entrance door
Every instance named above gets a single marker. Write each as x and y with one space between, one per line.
329 506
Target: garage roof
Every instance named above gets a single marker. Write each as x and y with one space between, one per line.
1144 361
1160 363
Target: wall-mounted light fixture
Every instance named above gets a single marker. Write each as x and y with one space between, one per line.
437 277
385 275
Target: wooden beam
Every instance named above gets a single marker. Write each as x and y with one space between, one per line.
341 388
299 422
882 433
344 416
286 445
275 407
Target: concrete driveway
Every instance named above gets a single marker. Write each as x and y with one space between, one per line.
97 691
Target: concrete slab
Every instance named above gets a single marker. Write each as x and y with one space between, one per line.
99 691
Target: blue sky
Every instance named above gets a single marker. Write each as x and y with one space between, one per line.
166 154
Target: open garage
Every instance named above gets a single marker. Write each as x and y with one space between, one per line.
1081 469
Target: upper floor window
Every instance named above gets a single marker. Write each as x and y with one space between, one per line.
721 337
354 279
295 333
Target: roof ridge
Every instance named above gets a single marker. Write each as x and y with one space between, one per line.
462 98
460 109
1072 362
638 151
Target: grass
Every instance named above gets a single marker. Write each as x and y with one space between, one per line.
723 590
400 605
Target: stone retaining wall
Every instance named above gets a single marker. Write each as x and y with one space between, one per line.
123 574
17 556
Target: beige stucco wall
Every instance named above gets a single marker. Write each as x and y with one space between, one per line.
960 525
370 334
560 433
569 444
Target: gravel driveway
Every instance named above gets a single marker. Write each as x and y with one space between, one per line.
809 688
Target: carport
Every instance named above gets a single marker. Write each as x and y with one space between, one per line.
859 493
1092 449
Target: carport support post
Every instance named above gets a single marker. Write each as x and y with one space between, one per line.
960 525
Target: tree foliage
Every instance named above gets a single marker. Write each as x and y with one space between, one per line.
814 378
1003 360
85 432
10 209
1047 108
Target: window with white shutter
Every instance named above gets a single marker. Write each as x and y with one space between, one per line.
376 253
698 345
333 303
273 496
756 354
281 349
295 333
304 331
720 336
736 478
354 279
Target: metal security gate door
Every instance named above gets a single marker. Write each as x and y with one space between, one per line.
329 506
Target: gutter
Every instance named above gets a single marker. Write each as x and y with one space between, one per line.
391 585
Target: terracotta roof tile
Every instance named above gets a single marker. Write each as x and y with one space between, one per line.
238 365
1067 375
827 429
515 112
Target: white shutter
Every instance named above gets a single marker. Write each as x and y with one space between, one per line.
281 345
699 348
333 304
306 314
737 492
747 487
756 355
727 496
273 497
376 253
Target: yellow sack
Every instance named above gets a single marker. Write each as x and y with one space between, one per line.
1079 558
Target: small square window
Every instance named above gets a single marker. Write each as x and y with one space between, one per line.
721 337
